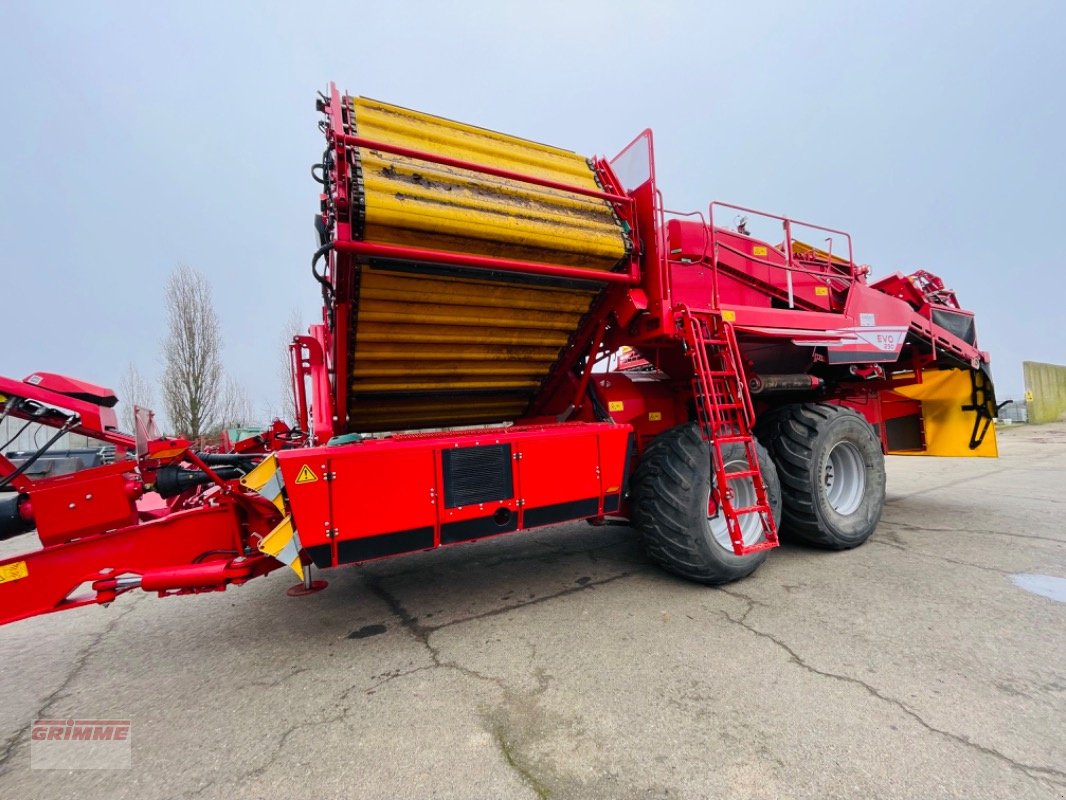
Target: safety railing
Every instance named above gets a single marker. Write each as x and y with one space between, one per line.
790 266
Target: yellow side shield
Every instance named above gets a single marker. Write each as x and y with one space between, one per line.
950 400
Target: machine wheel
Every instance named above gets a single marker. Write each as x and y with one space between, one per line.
832 473
671 497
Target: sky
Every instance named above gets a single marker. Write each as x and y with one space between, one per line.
137 137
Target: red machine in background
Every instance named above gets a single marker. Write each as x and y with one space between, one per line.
475 286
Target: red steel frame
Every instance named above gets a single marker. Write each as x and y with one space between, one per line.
483 262
97 543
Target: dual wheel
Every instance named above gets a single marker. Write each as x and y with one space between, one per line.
824 475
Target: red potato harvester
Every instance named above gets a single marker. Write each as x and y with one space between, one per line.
476 288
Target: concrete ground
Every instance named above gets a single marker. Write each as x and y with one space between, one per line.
560 664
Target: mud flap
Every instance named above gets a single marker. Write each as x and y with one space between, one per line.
958 407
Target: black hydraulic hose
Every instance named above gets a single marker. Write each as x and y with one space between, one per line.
327 290
314 263
37 410
242 462
601 414
10 404
29 462
18 433
323 165
227 459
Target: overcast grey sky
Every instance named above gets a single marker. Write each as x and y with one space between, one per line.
136 138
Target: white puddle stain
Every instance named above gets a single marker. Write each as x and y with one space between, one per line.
1043 585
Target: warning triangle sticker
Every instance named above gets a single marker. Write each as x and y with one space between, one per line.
306 475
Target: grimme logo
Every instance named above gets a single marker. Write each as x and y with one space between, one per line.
80 744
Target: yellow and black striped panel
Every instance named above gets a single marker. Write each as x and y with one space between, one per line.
435 348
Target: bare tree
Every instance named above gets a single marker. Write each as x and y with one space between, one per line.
134 390
192 355
234 408
294 326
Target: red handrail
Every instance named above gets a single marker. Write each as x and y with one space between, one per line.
486 262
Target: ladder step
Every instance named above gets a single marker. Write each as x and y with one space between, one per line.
737 437
736 476
751 510
766 544
728 406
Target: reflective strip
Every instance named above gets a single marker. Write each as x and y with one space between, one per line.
259 476
283 543
272 490
266 480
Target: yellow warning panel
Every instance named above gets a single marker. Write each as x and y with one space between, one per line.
948 425
306 475
15 571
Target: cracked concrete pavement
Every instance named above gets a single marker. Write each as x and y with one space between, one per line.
558 663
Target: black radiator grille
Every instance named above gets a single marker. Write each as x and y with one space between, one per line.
477 475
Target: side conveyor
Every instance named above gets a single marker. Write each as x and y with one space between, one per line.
434 344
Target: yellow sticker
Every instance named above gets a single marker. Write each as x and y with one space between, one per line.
821 291
728 316
1028 396
758 250
655 416
306 475
15 571
615 405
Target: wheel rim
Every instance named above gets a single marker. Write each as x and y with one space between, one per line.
845 478
743 496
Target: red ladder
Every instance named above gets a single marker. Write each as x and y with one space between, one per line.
726 415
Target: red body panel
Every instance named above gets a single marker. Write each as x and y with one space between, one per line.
72 506
392 495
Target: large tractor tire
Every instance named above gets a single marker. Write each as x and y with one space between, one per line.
832 473
671 499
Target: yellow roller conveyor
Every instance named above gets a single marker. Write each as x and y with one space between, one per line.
436 347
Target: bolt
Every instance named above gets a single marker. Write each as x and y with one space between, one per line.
71 506
88 497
